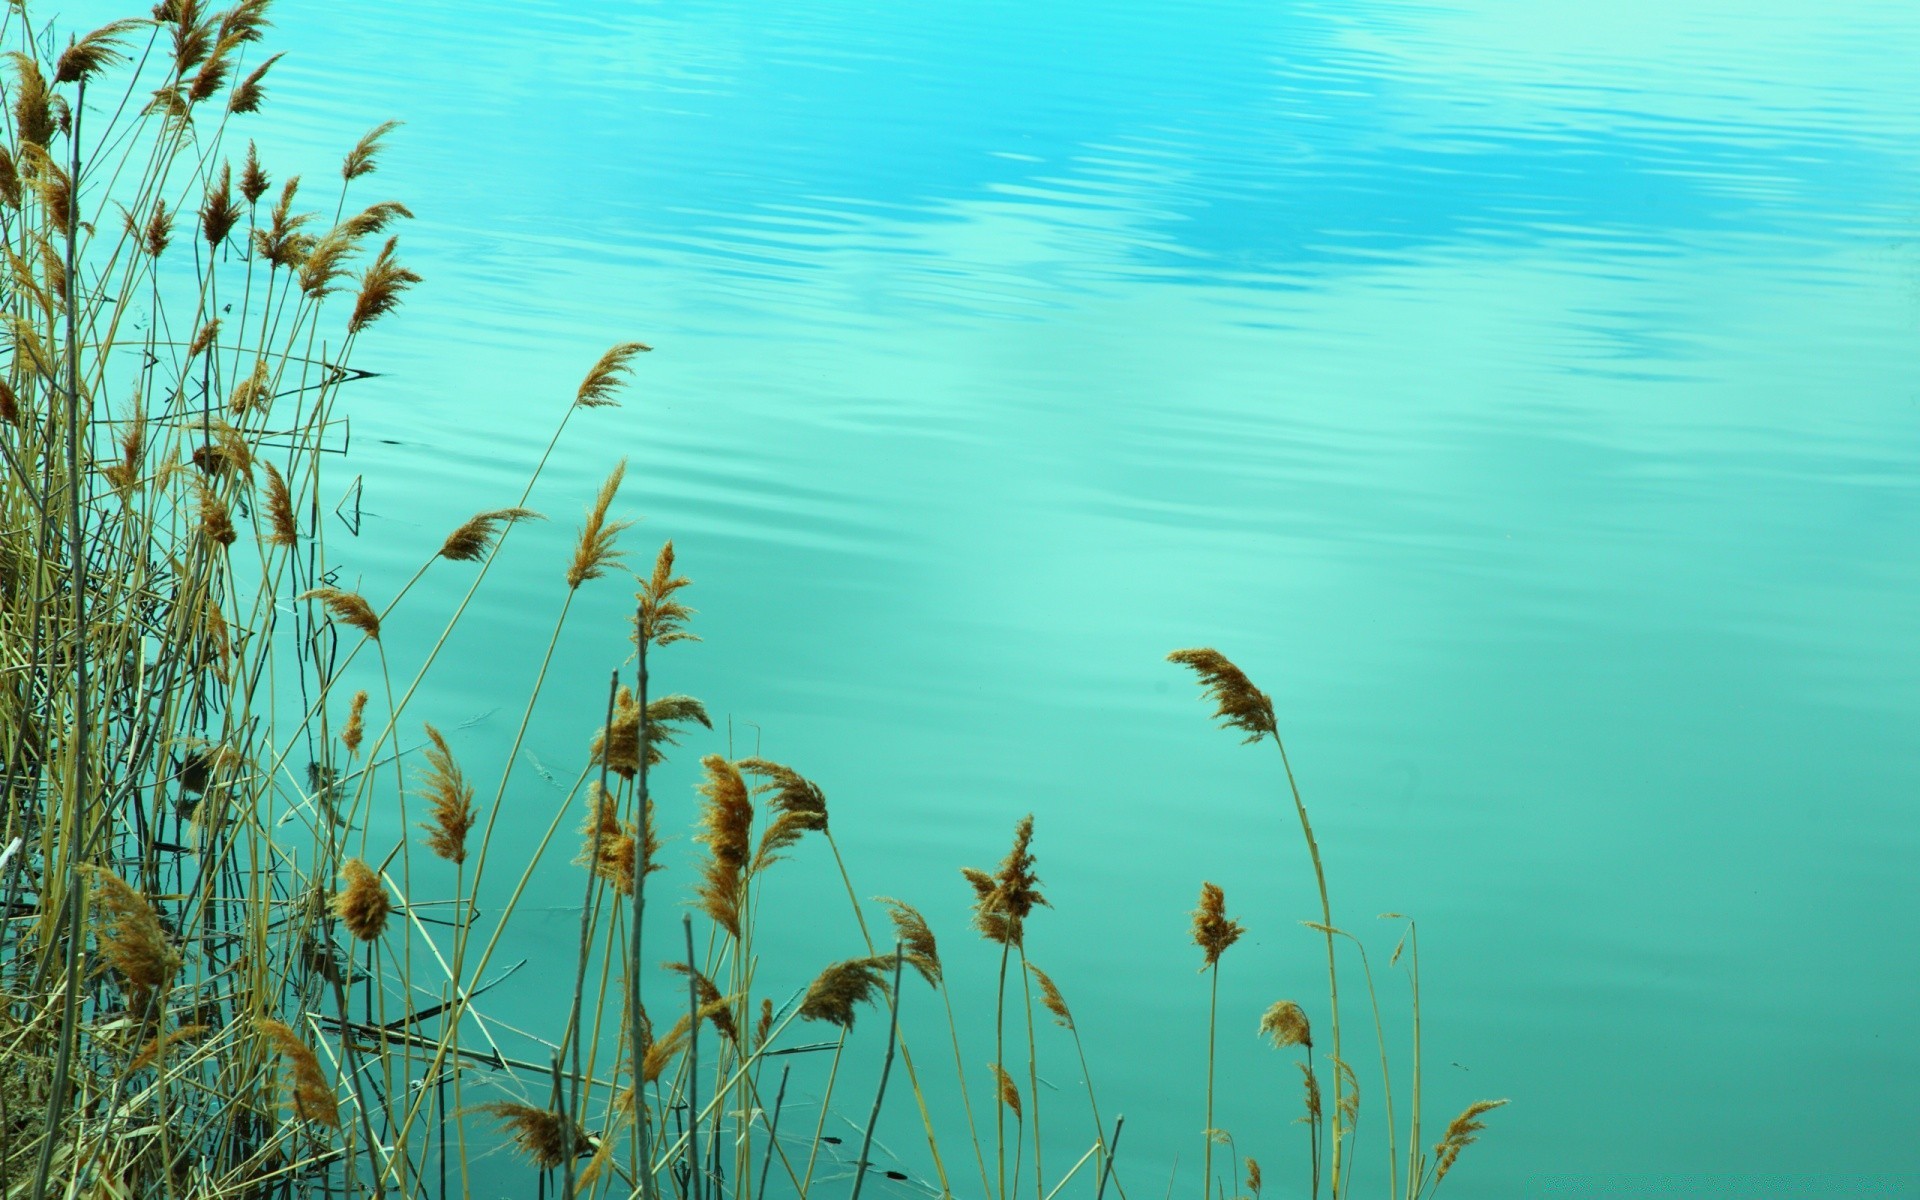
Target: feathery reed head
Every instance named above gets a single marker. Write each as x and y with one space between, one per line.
1461 1132
130 937
362 905
452 799
360 159
800 804
247 95
216 520
380 287
473 540
617 745
1212 931
837 989
1050 997
157 234
219 212
657 1054
253 180
157 1046
661 620
1312 1083
595 551
1253 1175
313 1098
1002 901
1286 1023
547 1138
324 264
255 392
356 723
1240 704
95 52
204 339
609 846
765 1025
916 939
348 608
614 367
726 821
1009 1094
279 509
713 1006
283 243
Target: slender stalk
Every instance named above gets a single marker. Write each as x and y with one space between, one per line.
886 1067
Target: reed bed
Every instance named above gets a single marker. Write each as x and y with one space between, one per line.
219 975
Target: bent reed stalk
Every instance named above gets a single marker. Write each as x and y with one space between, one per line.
222 970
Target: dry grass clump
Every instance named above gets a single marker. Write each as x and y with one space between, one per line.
1461 1132
1286 1023
595 552
1003 900
1238 704
313 1098
662 620
607 375
916 939
1009 1093
131 938
476 537
546 1137
1050 997
362 905
451 798
1213 932
726 829
835 991
349 608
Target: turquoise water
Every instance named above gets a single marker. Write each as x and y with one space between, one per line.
1525 395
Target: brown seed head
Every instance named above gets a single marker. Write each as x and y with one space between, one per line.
546 1138
1253 1175
595 551
375 218
356 723
347 608
916 939
279 509
94 52
360 159
156 1048
765 1025
837 989
1050 997
662 619
362 905
158 232
253 180
452 800
1002 901
32 102
216 522
324 265
1009 1094
313 1099
130 937
713 1006
1240 705
1461 1132
597 389
255 392
219 212
203 340
282 243
247 95
380 288
1286 1023
1212 931
473 540
726 822
212 73
800 805
10 193
1313 1094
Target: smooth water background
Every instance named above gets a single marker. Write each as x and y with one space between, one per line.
1525 394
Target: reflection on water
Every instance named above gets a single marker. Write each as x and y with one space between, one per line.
1525 395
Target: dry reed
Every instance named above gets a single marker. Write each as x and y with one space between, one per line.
362 905
1213 932
451 798
595 550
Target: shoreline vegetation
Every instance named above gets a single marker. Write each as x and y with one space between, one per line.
221 975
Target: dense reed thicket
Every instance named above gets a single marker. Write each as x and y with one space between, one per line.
216 977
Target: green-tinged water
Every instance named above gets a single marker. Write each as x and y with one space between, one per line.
1526 396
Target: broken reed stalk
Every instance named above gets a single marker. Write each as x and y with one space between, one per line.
886 1068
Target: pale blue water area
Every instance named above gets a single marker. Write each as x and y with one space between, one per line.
1526 395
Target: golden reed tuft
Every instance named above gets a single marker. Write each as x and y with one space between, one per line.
713 1006
1212 931
1240 705
283 531
473 540
131 938
452 799
360 159
800 804
614 367
833 993
255 392
595 551
356 723
216 522
380 285
916 939
1253 1175
609 846
1286 1023
1313 1094
362 905
248 95
1009 1094
547 1138
253 180
156 1048
1002 901
1460 1134
349 608
662 619
1051 998
726 821
313 1099
94 52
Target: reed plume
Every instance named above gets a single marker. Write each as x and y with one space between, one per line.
255 392
1461 1133
1051 998
1253 1175
1286 1023
130 938
1009 1094
613 369
94 52
158 1045
595 551
915 938
313 1098
280 522
157 234
253 180
655 1055
451 797
726 821
348 608
547 1138
219 211
324 264
380 285
1313 1094
765 1025
283 243
360 159
356 723
837 989
1003 900
10 194
203 339
609 847
32 103
216 521
661 620
247 95
1212 931
713 1005
800 804
618 743
362 905
1240 705
473 540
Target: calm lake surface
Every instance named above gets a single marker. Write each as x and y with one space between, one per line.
1525 395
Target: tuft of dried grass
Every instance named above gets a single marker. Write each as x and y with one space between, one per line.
95 52
324 264
547 1138
1253 1175
1461 1133
313 1098
613 369
726 822
658 1054
356 723
765 1024
360 159
916 939
32 103
473 540
1313 1094
349 608
1009 1094
1003 900
219 212
595 551
362 905
662 619
157 1046
1051 998
1239 704
247 95
452 799
283 243
204 339
216 521
800 804
1286 1023
283 531
611 847
1213 932
374 218
255 392
713 1006
253 180
130 937
833 993
380 286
